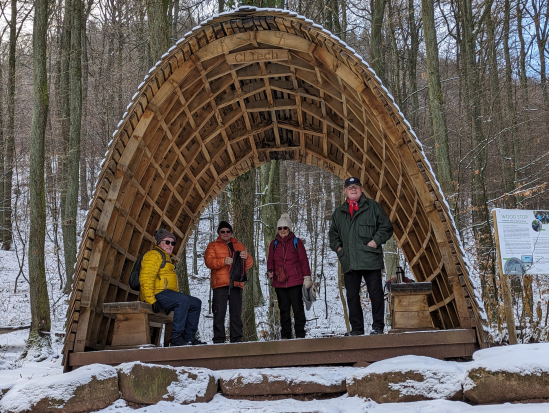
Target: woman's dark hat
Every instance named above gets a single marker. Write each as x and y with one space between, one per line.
161 234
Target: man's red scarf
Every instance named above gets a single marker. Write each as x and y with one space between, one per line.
353 206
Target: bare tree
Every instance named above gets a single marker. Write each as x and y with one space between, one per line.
73 161
40 305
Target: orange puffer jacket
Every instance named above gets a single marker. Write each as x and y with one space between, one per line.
214 258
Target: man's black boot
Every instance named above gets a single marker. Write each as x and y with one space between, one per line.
354 333
177 341
376 331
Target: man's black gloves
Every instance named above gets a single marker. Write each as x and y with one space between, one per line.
156 307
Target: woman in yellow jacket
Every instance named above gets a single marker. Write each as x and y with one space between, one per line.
159 288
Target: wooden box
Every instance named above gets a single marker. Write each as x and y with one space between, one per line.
409 307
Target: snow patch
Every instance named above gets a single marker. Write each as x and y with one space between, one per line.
187 389
524 359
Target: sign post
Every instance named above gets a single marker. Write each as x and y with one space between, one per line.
506 286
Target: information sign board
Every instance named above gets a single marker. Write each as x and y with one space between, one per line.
522 237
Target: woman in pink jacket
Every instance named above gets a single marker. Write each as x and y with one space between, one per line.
288 268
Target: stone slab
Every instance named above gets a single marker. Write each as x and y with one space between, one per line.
285 381
148 384
89 388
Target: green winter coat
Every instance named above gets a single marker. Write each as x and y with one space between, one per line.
352 235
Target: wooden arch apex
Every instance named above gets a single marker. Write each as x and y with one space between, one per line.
240 90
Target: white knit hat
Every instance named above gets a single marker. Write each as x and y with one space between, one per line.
284 221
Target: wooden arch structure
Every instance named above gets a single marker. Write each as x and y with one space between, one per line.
240 90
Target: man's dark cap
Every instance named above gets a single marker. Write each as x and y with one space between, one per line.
224 224
352 181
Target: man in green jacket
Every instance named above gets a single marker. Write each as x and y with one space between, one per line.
359 227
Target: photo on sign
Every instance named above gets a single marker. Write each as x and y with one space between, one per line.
542 216
514 266
536 225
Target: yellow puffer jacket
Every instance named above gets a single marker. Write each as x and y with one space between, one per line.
154 279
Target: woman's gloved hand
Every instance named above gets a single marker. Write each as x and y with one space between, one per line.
307 282
156 307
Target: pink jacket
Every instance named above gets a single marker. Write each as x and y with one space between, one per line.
295 262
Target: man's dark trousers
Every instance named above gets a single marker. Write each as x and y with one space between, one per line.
219 308
186 312
291 296
375 289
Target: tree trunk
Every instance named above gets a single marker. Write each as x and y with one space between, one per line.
242 206
378 12
481 222
524 148
496 125
175 21
412 65
39 301
436 105
270 211
394 86
223 207
195 245
73 160
182 273
541 41
84 197
343 20
511 114
10 132
284 201
64 95
2 153
158 27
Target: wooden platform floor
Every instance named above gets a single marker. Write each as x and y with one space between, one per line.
302 352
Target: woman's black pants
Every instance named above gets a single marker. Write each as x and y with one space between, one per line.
291 298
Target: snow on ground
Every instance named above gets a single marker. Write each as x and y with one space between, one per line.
525 358
336 405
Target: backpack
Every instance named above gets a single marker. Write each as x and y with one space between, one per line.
276 243
136 269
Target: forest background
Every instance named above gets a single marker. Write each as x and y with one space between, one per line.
470 77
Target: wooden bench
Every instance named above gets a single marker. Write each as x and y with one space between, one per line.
136 325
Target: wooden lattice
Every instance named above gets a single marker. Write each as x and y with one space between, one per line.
240 90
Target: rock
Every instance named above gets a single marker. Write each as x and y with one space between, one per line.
304 380
508 374
407 379
148 383
88 388
489 387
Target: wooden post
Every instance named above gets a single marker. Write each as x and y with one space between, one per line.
506 287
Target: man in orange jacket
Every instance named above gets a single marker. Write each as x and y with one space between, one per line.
219 258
